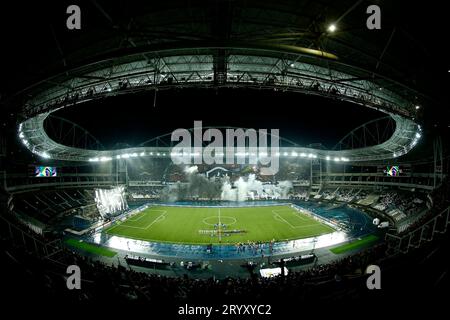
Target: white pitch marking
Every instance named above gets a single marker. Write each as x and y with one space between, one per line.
163 215
144 213
294 213
220 236
287 222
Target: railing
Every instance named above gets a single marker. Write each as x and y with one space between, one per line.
424 233
243 69
31 243
21 182
379 183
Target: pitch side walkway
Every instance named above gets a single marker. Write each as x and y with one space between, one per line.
201 252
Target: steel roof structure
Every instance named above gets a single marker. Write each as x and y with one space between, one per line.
279 46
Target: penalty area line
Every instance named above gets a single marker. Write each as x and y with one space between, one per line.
292 226
163 216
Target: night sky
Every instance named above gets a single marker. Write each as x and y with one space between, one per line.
35 40
304 119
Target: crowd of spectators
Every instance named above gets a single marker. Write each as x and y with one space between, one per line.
299 193
327 194
346 195
439 200
47 206
145 192
117 283
362 194
120 282
408 203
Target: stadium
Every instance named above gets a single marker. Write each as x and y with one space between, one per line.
202 152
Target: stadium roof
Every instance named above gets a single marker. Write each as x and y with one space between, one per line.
282 45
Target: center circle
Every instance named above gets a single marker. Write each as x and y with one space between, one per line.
223 219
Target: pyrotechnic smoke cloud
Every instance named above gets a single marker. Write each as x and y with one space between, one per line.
244 188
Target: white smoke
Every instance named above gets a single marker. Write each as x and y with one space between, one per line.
191 170
110 201
284 188
252 189
199 186
228 193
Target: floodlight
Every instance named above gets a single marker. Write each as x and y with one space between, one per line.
332 28
45 155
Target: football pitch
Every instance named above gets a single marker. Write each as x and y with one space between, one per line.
214 225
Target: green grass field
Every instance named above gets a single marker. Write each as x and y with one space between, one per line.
91 248
194 225
355 245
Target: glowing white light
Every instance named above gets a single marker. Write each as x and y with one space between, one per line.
118 156
125 156
179 154
418 135
310 155
21 135
337 159
327 158
303 154
417 107
332 28
294 154
45 155
277 154
103 159
142 154
110 200
285 154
